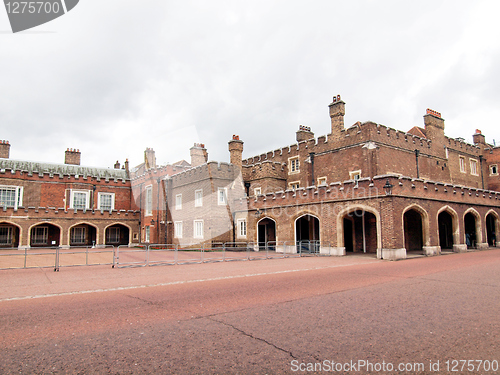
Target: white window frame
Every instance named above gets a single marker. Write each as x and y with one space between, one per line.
113 237
73 237
40 239
178 201
100 199
147 233
148 205
7 236
461 163
491 170
18 196
241 225
355 175
473 167
294 185
222 199
257 191
72 199
293 165
198 198
178 229
322 181
198 229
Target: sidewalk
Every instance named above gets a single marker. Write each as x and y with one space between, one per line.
44 282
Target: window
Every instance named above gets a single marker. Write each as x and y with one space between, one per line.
222 196
473 167
321 181
39 235
80 199
493 169
293 165
355 175
106 201
294 185
5 235
178 202
198 229
242 228
462 164
78 235
257 191
146 233
113 235
11 196
149 201
178 229
198 198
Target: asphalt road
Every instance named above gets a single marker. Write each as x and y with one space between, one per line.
261 317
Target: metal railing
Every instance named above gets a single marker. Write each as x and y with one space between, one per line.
56 257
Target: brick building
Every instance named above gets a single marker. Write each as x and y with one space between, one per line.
371 188
45 204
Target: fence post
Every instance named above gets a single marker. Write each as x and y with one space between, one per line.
25 256
56 265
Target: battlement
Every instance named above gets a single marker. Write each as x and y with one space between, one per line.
212 170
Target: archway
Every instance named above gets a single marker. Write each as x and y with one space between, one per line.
9 235
266 233
491 229
307 234
470 230
43 235
116 235
445 225
413 230
360 232
83 235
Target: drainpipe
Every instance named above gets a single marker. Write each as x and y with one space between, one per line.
481 166
417 152
311 157
158 212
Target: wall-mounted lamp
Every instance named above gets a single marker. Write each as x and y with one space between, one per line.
388 187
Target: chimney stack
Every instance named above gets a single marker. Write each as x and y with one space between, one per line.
434 126
479 138
149 158
235 151
199 154
117 165
337 113
72 156
4 149
304 133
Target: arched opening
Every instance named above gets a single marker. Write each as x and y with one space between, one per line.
9 235
491 230
117 235
360 232
445 225
44 235
82 235
413 231
266 233
307 234
470 230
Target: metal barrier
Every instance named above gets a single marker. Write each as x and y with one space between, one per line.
129 256
56 257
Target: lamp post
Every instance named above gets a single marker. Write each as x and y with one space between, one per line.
388 188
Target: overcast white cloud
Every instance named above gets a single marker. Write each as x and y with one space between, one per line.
114 77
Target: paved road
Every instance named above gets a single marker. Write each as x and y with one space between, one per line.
261 317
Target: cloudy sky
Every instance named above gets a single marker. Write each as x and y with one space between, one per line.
112 77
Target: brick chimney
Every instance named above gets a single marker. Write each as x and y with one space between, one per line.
304 133
235 151
434 126
117 165
4 149
479 138
337 113
72 156
149 158
199 154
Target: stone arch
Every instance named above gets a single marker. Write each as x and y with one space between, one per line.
266 231
448 229
124 238
415 228
472 228
307 232
492 221
53 234
343 215
10 234
89 236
